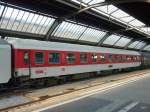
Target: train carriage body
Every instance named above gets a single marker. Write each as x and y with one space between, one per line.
38 59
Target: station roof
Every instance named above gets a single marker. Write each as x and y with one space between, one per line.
112 24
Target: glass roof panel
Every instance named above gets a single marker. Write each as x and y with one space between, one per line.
18 20
114 13
136 23
111 40
95 1
92 35
123 41
133 44
103 8
99 11
10 22
1 9
127 18
45 24
140 45
112 8
69 30
120 14
86 1
108 9
38 24
147 47
147 29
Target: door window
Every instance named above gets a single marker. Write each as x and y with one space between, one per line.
26 57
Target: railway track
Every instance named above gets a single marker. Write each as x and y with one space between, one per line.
71 90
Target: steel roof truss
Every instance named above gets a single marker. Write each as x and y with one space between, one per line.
55 24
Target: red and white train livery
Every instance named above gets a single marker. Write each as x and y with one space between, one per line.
39 59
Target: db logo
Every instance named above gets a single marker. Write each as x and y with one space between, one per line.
39 72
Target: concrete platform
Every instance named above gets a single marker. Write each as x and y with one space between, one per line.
132 97
50 91
95 84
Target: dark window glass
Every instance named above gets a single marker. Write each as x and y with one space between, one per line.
83 58
39 58
70 58
54 58
26 57
110 58
117 58
94 58
123 59
102 58
132 58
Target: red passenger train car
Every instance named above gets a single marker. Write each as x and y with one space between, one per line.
30 60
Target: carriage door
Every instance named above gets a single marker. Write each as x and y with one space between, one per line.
26 60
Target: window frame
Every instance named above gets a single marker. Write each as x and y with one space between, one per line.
130 58
74 56
135 58
111 58
81 53
105 55
35 57
96 54
59 57
26 51
123 58
138 58
118 58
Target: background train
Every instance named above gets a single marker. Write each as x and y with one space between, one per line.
32 62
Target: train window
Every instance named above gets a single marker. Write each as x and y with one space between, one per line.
54 58
134 58
128 58
83 58
123 59
70 58
102 58
39 58
26 57
94 58
117 58
138 58
110 58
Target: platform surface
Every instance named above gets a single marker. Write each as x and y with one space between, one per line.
133 97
